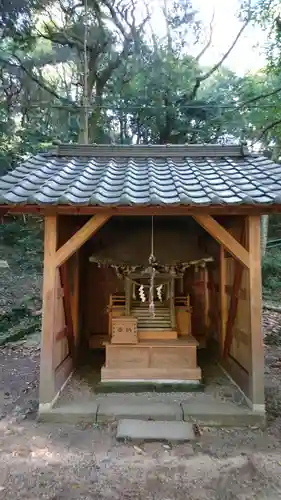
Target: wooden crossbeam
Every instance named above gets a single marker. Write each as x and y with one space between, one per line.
222 236
79 238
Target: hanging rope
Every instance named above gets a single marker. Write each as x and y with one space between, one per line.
86 72
152 262
151 259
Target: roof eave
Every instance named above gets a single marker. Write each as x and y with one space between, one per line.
237 209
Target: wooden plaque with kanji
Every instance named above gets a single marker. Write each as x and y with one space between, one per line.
124 330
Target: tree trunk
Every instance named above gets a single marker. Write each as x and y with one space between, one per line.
264 233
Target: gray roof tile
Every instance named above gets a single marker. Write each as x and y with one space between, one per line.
142 175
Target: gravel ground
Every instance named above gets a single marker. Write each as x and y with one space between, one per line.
63 462
82 388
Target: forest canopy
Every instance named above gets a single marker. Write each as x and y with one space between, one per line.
64 60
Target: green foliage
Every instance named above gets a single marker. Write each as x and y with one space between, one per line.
268 14
140 89
18 323
271 274
25 238
13 316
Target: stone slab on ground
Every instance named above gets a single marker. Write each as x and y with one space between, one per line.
109 410
221 413
142 430
72 413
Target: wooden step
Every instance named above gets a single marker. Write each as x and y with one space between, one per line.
160 321
146 374
156 318
152 326
146 304
146 322
160 334
145 313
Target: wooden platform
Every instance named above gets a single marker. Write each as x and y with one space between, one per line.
165 360
100 341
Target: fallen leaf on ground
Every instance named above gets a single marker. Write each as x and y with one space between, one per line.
166 446
139 450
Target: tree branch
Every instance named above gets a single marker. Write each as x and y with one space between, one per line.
103 77
209 41
33 77
113 12
261 96
209 73
266 129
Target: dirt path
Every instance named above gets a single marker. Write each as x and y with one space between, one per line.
62 462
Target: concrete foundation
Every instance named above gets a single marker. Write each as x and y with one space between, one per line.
212 412
221 403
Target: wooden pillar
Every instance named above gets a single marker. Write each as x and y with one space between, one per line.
223 298
256 389
47 370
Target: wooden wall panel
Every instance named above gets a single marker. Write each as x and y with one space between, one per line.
68 225
61 349
98 284
214 300
183 321
240 347
62 373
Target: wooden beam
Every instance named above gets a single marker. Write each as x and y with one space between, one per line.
222 236
176 210
47 370
223 298
255 299
79 238
234 300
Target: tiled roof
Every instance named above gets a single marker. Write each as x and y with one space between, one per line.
143 175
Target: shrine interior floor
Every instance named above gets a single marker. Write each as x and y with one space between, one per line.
218 402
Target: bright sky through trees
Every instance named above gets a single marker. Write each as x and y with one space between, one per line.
247 54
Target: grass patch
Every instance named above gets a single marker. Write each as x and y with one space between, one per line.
17 323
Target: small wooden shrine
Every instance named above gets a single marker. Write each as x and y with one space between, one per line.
149 327
149 299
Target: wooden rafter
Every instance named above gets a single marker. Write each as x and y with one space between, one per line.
233 307
80 237
222 236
